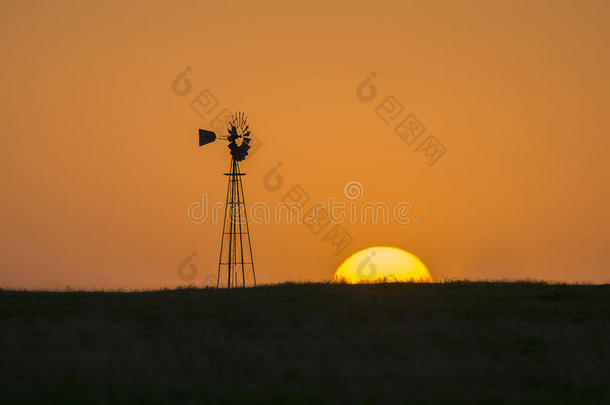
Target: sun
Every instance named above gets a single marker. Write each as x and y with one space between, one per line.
382 264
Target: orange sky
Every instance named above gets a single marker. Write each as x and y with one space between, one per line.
100 159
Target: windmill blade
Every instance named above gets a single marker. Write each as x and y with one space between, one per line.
233 130
240 152
232 133
206 137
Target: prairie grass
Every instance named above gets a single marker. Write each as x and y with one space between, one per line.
457 341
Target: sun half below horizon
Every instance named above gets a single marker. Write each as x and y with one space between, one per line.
382 264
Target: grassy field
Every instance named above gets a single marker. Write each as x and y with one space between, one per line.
481 342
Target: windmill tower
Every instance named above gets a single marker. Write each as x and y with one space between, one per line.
235 263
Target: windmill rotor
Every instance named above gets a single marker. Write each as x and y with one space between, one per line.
238 135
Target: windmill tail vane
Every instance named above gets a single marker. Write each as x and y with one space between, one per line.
236 262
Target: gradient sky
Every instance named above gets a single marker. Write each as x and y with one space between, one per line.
100 159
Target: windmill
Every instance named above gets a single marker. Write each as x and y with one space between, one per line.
235 263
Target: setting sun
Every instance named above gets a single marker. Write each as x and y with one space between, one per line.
382 264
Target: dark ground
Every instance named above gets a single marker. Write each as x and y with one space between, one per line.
322 343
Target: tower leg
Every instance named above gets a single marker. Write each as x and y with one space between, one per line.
247 230
222 237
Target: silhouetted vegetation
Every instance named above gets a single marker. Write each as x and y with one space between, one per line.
307 343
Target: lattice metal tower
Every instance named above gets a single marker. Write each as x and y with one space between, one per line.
236 262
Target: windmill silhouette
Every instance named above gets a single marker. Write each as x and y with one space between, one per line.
235 263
